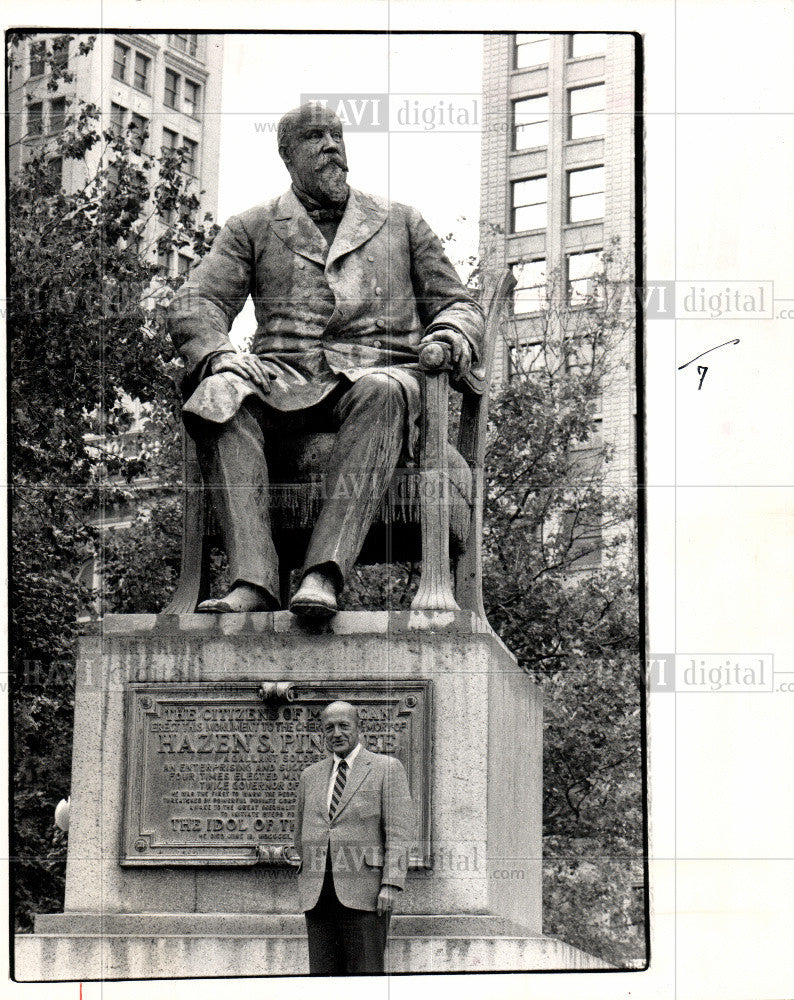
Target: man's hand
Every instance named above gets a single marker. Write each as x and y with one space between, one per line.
458 345
245 365
386 899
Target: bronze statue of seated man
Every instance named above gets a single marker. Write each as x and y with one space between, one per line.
346 288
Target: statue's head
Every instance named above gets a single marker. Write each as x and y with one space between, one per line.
340 727
311 145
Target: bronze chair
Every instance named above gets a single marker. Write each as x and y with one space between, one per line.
433 512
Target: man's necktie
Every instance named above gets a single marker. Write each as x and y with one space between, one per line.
339 787
326 214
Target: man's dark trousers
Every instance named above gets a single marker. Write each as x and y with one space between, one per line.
368 417
343 941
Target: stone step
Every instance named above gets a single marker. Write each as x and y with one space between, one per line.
264 924
91 946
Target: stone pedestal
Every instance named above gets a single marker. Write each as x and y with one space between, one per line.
478 907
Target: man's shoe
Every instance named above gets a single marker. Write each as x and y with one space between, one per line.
244 597
316 597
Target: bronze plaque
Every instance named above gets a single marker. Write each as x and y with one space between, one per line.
213 768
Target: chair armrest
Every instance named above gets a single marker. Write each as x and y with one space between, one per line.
435 357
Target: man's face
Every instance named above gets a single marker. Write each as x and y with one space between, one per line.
316 158
340 727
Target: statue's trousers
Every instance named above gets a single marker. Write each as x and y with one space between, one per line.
369 419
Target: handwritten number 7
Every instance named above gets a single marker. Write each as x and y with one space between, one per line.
702 369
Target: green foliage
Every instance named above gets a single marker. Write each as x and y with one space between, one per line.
85 339
561 590
592 848
594 899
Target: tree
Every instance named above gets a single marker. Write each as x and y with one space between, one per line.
86 339
561 589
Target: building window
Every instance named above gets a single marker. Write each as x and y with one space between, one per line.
60 53
530 50
586 194
57 114
140 77
587 44
190 157
170 139
184 43
35 118
190 98
583 269
55 171
582 537
37 52
183 264
164 258
121 55
117 113
171 89
524 357
531 122
530 291
586 106
529 204
139 132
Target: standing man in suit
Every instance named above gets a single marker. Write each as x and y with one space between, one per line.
346 288
354 822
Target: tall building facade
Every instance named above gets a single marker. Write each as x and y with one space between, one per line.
558 190
164 86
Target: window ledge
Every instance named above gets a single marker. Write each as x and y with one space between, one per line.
529 149
592 55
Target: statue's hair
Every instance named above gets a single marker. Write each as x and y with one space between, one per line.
285 131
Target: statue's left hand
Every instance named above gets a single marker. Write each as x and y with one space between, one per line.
458 345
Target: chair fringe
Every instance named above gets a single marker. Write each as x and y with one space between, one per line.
296 506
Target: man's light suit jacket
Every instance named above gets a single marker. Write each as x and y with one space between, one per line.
369 836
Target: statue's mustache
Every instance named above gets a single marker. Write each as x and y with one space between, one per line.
335 160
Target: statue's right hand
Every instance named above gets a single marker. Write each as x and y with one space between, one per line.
246 366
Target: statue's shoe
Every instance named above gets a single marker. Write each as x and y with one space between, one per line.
316 598
237 601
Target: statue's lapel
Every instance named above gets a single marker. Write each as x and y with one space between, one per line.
292 224
362 219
